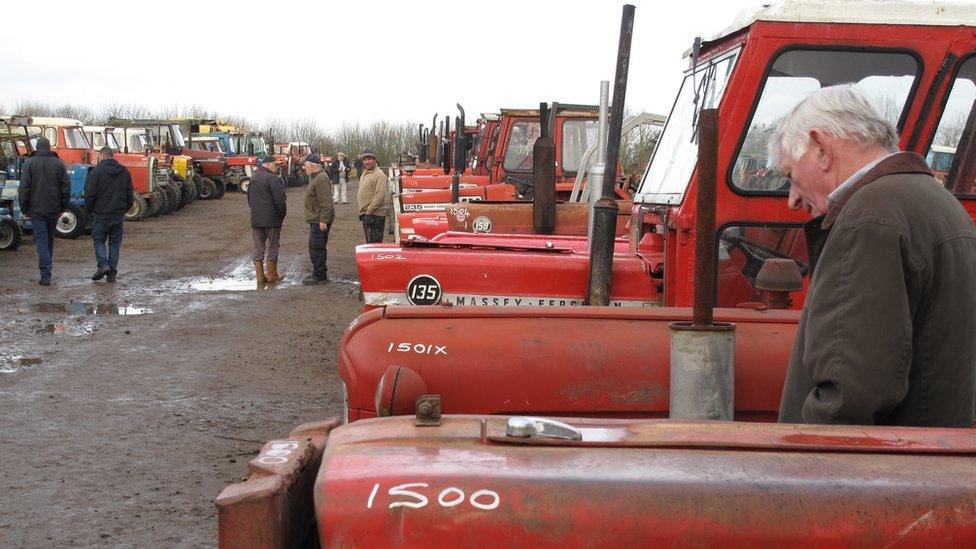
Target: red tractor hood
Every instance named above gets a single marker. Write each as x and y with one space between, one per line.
645 483
242 161
568 361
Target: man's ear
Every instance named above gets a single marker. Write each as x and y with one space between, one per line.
819 140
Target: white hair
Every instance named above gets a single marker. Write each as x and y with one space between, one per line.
841 111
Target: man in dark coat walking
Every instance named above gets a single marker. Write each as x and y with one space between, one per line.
884 338
44 193
266 198
108 195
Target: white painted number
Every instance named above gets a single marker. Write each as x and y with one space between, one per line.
278 453
451 496
401 490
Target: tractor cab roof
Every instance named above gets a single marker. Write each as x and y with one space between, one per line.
865 12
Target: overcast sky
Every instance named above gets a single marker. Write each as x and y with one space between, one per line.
347 61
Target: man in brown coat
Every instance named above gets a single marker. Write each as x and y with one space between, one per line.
885 336
319 214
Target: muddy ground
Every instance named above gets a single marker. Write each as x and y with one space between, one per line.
127 407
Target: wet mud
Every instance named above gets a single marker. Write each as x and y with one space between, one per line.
128 406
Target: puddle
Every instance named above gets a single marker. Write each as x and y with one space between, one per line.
234 284
80 308
12 363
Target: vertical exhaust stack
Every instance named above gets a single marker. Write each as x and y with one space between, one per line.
459 153
446 146
605 209
544 176
702 351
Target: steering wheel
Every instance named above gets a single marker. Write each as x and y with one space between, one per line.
756 252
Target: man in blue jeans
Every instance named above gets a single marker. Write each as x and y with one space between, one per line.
44 193
108 195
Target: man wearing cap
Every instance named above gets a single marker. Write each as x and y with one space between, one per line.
108 195
44 193
340 176
266 198
372 194
319 214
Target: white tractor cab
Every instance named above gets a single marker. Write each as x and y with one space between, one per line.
157 189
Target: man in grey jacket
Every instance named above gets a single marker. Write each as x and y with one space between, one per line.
266 198
884 337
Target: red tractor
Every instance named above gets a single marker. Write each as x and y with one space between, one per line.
167 136
575 438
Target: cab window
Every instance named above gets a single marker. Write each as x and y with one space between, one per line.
518 153
578 135
742 249
886 78
949 132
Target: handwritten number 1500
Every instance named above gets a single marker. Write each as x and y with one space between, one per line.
448 497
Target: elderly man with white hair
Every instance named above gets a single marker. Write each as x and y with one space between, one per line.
886 335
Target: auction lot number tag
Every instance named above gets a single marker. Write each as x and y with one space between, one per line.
424 290
416 495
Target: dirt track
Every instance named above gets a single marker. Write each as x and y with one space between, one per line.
120 429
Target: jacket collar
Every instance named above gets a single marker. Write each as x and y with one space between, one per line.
903 162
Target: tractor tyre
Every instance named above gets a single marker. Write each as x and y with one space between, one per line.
192 188
244 184
197 182
72 223
184 193
155 202
175 197
10 235
208 188
221 189
170 198
140 209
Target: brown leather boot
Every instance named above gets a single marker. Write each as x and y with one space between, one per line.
259 272
273 275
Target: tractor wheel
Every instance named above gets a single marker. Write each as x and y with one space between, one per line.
244 184
140 209
72 222
169 198
184 193
10 234
192 188
158 201
221 189
174 198
154 202
207 188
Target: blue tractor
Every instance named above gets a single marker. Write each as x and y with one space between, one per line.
16 146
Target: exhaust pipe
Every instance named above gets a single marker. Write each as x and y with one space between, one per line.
446 146
459 150
605 209
438 139
544 176
702 351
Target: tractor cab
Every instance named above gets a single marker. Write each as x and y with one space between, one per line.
69 142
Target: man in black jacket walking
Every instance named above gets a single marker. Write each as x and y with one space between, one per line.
108 195
44 193
266 198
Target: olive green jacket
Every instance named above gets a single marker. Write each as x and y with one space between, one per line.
318 200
